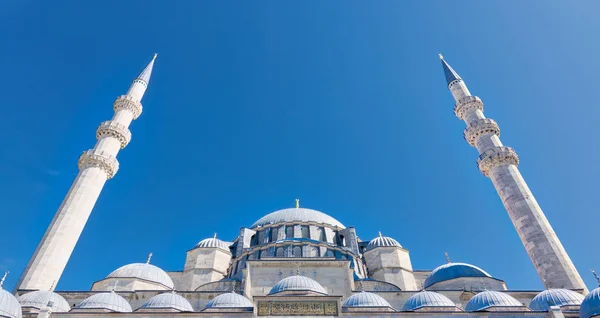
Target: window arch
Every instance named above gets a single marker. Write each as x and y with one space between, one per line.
280 252
297 251
304 231
289 231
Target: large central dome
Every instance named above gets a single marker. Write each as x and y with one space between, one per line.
297 215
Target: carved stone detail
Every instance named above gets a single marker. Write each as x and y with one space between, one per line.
127 102
465 104
100 159
495 157
480 127
116 130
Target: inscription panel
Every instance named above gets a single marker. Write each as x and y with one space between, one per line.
297 308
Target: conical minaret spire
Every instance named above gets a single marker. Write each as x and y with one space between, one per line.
96 166
500 164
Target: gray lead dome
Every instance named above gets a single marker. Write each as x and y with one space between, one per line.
297 215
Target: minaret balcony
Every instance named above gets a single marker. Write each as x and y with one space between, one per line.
480 127
115 130
95 158
466 105
495 157
127 102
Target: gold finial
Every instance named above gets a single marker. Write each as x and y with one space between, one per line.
149 257
595 276
115 286
3 278
297 203
380 234
215 236
297 269
447 257
155 55
441 56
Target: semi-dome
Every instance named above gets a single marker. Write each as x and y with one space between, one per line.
213 242
40 298
9 305
489 298
426 299
168 300
298 283
590 306
230 300
382 241
366 299
454 270
105 301
299 215
555 297
143 271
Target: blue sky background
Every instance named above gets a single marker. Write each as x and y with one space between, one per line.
340 104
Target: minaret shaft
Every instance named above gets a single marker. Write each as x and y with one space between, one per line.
96 166
499 163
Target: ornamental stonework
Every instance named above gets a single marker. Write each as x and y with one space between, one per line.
480 127
128 103
297 308
467 104
115 130
95 158
495 157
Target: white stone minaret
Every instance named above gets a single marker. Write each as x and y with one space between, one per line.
499 163
95 167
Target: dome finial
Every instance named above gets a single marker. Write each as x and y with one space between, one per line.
297 269
3 278
380 234
115 286
215 236
52 286
297 203
595 276
447 257
149 258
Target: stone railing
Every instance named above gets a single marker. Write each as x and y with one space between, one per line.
95 158
116 130
466 104
480 127
495 157
127 102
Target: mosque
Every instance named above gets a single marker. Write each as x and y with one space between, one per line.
298 261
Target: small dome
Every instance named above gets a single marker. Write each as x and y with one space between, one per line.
39 299
454 270
591 304
426 299
490 298
168 300
229 300
9 305
108 300
213 242
297 214
366 299
382 241
297 283
555 297
143 271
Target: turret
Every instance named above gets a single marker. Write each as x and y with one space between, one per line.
388 261
96 166
207 262
500 164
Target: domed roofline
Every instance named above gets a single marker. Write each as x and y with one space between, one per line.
166 301
366 300
297 215
452 271
555 297
297 284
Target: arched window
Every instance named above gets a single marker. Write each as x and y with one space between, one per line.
266 235
289 231
297 251
341 240
273 234
280 252
304 231
329 253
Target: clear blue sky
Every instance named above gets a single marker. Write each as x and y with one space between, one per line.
340 104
